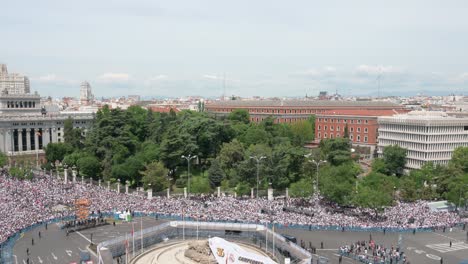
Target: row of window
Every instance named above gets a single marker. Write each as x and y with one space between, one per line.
351 136
277 111
352 121
21 104
338 128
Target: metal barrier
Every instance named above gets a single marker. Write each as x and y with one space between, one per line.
367 259
271 242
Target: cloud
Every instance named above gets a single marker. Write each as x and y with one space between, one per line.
111 77
462 78
327 71
48 78
158 77
211 77
377 69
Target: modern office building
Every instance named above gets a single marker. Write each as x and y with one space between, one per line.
290 111
14 83
427 136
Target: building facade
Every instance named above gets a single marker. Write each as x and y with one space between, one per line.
290 111
427 136
14 83
86 95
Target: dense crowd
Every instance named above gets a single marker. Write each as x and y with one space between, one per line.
370 252
24 202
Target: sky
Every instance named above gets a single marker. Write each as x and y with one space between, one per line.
244 47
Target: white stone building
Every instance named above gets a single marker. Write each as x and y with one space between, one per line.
14 83
427 136
26 127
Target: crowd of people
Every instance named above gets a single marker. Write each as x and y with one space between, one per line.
26 202
370 252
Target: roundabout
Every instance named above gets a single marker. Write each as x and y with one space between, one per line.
175 252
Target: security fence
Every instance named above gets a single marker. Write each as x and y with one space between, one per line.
266 239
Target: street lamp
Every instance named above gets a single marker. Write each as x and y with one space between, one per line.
188 158
257 159
317 163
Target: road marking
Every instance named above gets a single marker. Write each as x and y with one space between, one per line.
434 257
24 261
445 247
83 236
40 260
53 255
451 238
16 259
69 252
81 250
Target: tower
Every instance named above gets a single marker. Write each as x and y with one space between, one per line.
86 96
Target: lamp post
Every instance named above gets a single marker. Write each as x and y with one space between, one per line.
188 158
258 160
317 163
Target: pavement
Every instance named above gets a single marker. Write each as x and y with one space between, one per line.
55 247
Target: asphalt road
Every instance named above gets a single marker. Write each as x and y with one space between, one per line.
55 247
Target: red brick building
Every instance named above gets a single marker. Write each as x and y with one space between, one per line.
290 111
361 124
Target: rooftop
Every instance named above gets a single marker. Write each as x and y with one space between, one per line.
299 103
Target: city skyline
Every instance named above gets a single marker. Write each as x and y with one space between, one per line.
180 48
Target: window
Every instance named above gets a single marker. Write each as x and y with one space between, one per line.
351 129
351 137
366 121
331 135
365 139
344 121
358 138
325 128
319 127
365 130
320 135
58 134
338 135
359 121
358 129
331 120
325 135
352 121
331 128
338 128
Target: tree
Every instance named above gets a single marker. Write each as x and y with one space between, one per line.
57 151
231 154
346 131
215 174
459 159
155 174
72 136
89 166
3 159
239 115
302 132
372 198
301 188
394 158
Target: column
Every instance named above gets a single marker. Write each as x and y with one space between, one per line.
150 194
9 141
74 175
82 179
54 135
99 182
28 139
66 175
126 186
108 185
36 140
2 141
270 194
20 139
118 186
251 193
45 136
185 192
168 193
219 191
287 193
